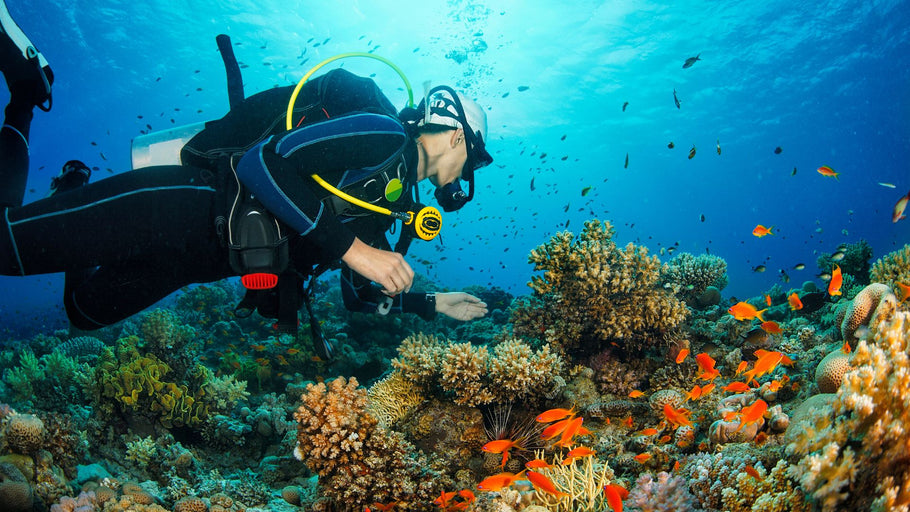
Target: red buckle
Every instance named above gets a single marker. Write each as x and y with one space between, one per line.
259 281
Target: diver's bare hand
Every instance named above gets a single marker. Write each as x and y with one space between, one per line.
386 268
460 306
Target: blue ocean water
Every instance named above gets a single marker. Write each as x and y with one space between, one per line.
828 83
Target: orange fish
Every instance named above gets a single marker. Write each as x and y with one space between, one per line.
899 208
384 508
742 367
500 445
628 421
794 301
467 495
499 481
774 386
648 432
555 429
570 432
845 348
737 387
836 281
635 393
537 464
444 499
682 355
761 231
767 299
772 327
752 413
543 483
745 311
641 458
664 439
751 471
730 415
677 416
676 466
615 494
260 348
555 415
904 291
292 351
577 453
828 172
694 394
706 363
707 388
786 361
765 364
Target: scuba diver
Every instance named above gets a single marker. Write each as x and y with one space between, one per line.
247 197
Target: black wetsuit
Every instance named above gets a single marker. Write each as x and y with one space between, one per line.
131 239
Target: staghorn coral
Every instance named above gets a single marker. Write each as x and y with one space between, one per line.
892 268
474 376
583 481
830 371
393 397
866 308
689 276
593 291
359 462
860 442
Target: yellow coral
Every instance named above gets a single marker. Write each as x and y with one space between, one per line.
393 397
893 267
593 290
473 376
582 481
868 431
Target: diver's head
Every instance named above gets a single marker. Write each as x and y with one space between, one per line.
444 110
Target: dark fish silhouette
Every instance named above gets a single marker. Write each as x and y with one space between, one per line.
627 162
778 150
690 61
675 99
692 152
812 302
671 145
624 105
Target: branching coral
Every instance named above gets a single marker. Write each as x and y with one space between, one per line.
583 482
893 267
512 372
359 462
864 438
688 276
592 290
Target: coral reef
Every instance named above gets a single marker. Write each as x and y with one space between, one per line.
475 376
593 291
583 481
664 494
855 261
359 462
689 277
859 442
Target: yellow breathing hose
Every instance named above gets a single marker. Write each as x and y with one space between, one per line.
290 122
404 216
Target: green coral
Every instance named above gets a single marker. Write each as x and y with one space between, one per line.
594 291
136 383
53 381
893 267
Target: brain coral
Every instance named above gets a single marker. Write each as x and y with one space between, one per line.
830 371
25 433
871 302
15 493
592 290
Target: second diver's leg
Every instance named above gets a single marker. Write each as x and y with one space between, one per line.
29 79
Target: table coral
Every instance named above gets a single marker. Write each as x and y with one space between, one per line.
862 445
358 461
592 290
